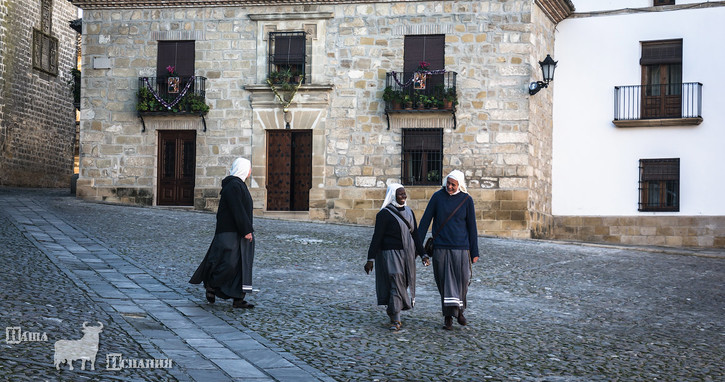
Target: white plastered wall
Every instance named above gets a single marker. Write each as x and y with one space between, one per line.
595 164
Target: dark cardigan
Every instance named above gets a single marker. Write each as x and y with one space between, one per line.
387 234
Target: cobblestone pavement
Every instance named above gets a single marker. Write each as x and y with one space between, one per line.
538 311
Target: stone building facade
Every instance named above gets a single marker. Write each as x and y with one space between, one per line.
37 121
499 136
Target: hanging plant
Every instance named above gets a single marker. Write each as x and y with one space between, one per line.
286 86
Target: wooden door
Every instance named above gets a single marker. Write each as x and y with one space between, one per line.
289 169
301 170
176 167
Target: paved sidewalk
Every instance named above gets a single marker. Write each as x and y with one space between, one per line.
168 323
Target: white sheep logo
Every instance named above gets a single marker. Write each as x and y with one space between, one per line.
84 349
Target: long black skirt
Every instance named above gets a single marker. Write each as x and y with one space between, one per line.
395 280
227 266
452 271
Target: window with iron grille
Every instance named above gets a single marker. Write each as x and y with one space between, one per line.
664 2
422 156
659 184
288 53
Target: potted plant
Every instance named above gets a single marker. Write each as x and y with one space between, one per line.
423 101
450 99
281 76
408 102
435 103
392 97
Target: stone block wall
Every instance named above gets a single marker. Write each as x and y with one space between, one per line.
492 45
671 231
37 120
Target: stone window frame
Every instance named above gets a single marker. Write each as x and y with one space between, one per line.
659 185
314 26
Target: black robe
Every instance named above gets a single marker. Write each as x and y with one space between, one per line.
394 259
227 266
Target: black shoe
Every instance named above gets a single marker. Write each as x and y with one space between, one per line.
210 296
462 320
448 323
239 303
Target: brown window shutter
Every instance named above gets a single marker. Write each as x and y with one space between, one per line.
428 48
179 54
289 49
661 52
660 169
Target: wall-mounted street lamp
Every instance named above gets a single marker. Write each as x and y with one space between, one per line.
547 72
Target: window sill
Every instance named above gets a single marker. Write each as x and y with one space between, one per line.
451 111
141 115
663 122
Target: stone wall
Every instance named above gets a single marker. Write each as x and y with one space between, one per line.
540 131
676 231
494 47
37 121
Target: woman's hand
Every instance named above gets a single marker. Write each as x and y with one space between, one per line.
368 267
248 236
426 260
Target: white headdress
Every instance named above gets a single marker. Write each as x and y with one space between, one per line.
240 168
390 195
458 176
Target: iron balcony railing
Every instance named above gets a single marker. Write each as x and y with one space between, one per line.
433 86
637 102
172 94
168 95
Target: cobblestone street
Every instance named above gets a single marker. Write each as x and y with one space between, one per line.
538 310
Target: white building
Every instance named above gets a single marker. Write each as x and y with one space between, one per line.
639 123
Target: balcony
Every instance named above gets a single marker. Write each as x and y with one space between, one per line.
166 95
420 92
658 105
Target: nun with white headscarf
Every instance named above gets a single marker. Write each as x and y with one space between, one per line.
394 246
226 270
455 243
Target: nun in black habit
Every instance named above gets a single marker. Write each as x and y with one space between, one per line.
226 270
394 246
